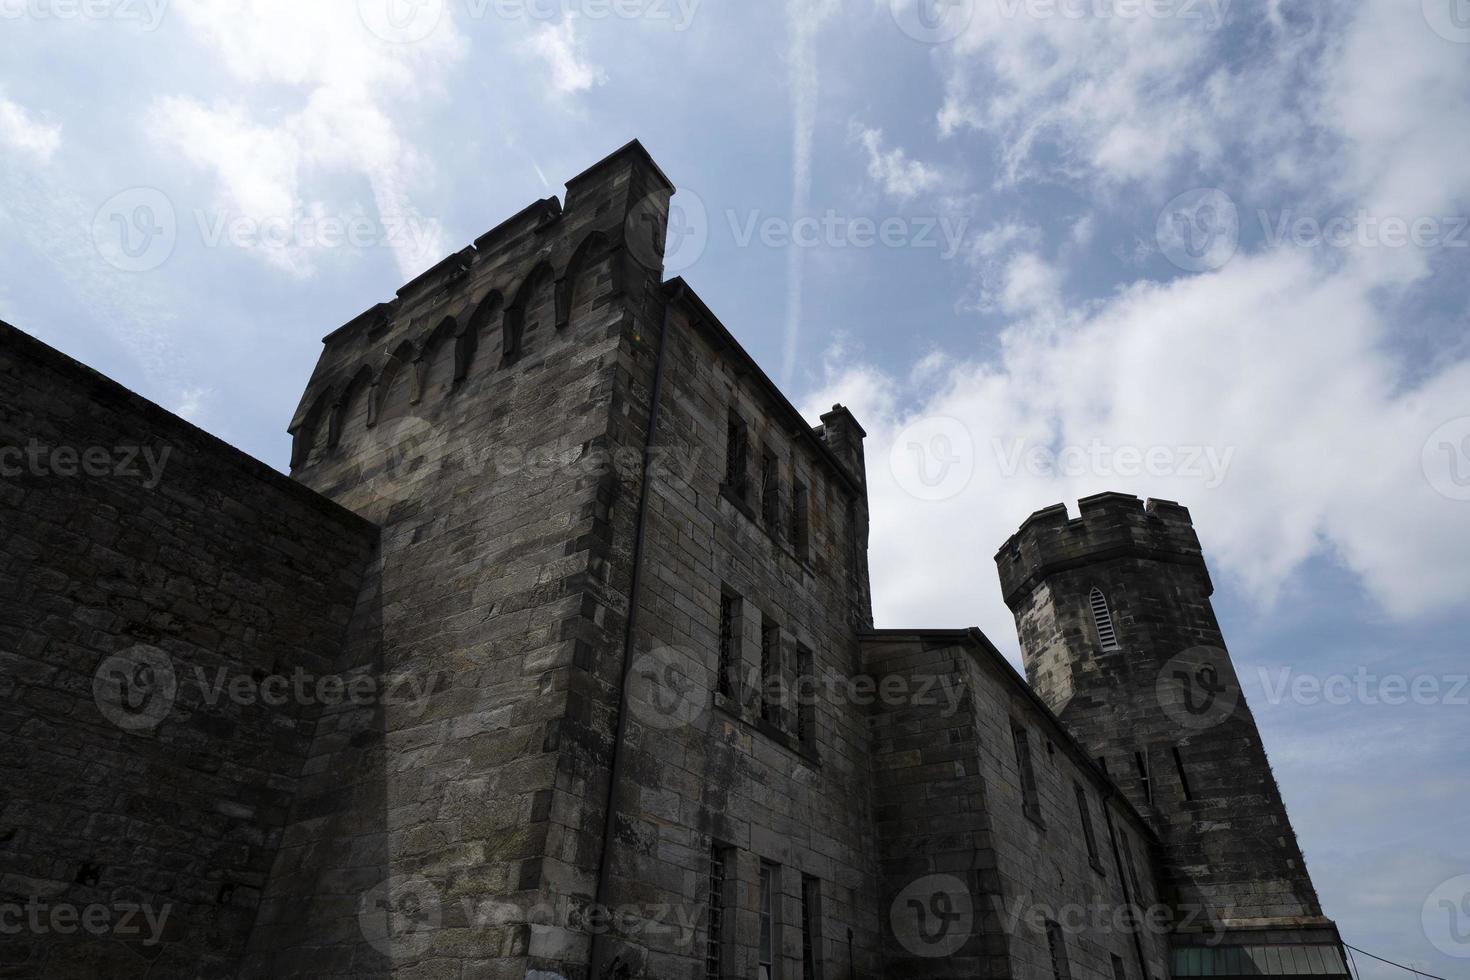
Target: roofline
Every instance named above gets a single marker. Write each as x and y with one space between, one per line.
678 288
973 636
634 147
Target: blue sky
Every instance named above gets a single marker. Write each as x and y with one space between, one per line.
1205 250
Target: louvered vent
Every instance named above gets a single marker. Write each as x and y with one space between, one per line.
1103 620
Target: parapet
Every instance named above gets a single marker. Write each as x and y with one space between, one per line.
1111 525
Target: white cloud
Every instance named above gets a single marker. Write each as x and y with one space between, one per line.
24 133
898 176
556 45
1282 363
272 167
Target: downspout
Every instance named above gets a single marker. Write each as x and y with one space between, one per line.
615 770
1128 899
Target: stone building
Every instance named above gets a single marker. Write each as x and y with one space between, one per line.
554 658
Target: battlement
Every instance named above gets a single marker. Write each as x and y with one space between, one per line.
1111 525
504 296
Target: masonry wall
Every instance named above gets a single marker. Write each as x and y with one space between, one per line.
147 571
475 419
708 771
973 866
1168 688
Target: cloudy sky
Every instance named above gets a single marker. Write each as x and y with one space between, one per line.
1207 250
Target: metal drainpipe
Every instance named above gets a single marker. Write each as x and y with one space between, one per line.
615 771
1123 880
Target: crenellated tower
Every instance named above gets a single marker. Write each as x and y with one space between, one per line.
1119 637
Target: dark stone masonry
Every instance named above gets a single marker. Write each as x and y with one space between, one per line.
554 659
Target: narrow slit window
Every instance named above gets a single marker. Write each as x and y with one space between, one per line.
810 939
1183 777
806 703
1030 802
767 949
1087 832
714 948
1119 972
737 438
771 492
1056 945
800 521
1141 762
770 693
1102 618
729 643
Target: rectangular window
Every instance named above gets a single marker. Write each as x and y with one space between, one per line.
771 493
1031 804
1056 945
1183 777
714 945
1131 867
1119 973
806 697
811 940
769 919
737 440
729 643
770 694
1141 761
800 519
1087 833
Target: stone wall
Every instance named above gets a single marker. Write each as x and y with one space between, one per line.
978 855
156 588
710 768
477 418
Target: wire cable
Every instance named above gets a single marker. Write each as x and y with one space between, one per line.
1417 973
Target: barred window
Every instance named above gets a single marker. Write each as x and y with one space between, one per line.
1031 803
1087 833
1057 946
810 939
714 947
766 951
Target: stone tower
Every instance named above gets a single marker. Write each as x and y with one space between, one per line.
1119 637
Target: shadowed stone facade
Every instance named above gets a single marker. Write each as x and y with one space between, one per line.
591 682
